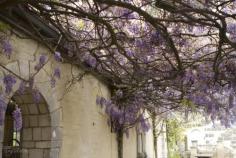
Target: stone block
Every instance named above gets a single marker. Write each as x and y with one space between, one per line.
14 67
26 121
24 49
18 99
33 121
37 134
25 153
49 97
44 120
46 153
24 109
43 108
56 117
28 144
33 109
27 99
24 68
46 133
36 153
27 134
57 133
56 143
43 144
54 153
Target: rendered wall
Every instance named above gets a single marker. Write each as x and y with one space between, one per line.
130 144
149 144
86 132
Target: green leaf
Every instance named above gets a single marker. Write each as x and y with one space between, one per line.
4 27
188 103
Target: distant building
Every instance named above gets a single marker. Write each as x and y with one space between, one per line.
211 142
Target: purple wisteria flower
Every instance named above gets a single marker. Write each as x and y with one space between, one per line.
42 61
36 96
3 104
22 87
189 77
130 53
231 29
156 38
9 82
101 101
140 44
7 48
57 73
134 29
53 82
127 115
31 82
57 56
17 116
128 14
91 61
98 100
144 124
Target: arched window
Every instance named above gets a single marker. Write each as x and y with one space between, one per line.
12 137
35 137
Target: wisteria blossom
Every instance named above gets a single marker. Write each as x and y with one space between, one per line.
42 61
17 116
6 48
9 82
57 56
36 96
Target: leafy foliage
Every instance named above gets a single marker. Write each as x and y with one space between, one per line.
174 133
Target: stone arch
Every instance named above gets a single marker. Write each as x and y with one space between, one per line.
40 133
51 107
24 57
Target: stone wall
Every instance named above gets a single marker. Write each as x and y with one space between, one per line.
36 133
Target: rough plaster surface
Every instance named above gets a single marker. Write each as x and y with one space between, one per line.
130 145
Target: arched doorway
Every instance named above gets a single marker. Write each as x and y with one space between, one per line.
34 140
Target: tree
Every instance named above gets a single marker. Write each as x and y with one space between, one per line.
157 55
174 134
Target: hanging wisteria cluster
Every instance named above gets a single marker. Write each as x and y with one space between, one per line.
124 114
157 55
17 116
